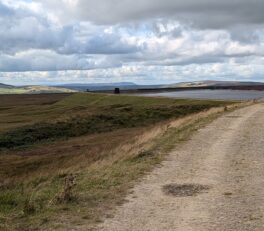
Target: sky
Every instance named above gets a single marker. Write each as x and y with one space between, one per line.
142 41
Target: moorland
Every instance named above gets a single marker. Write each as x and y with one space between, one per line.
69 159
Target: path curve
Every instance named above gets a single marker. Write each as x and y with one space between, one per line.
228 157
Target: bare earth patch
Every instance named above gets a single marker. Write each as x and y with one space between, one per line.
184 190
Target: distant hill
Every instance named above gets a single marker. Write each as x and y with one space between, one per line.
133 86
210 83
5 86
99 86
47 89
9 89
74 87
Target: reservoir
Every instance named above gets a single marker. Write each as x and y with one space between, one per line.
212 94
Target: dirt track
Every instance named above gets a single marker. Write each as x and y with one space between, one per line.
215 182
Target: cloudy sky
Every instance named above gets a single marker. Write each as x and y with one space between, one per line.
142 41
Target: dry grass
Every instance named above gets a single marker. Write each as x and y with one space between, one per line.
20 110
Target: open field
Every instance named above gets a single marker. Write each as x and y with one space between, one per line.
105 142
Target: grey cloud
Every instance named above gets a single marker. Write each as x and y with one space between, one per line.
253 34
5 11
26 30
28 33
30 42
50 61
22 29
101 43
203 13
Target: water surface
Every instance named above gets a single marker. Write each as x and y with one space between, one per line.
212 94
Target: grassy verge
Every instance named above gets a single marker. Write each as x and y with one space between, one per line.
104 165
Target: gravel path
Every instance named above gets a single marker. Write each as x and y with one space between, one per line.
215 181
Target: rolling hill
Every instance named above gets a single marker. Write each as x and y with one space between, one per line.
93 87
5 86
9 89
211 83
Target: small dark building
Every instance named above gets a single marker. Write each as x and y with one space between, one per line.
117 91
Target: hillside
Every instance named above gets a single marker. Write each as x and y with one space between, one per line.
9 89
105 142
211 83
5 86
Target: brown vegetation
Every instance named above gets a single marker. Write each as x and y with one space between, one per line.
89 174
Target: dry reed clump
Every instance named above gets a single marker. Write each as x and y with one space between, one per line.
69 184
66 195
29 207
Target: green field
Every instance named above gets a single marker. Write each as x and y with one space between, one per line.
105 142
